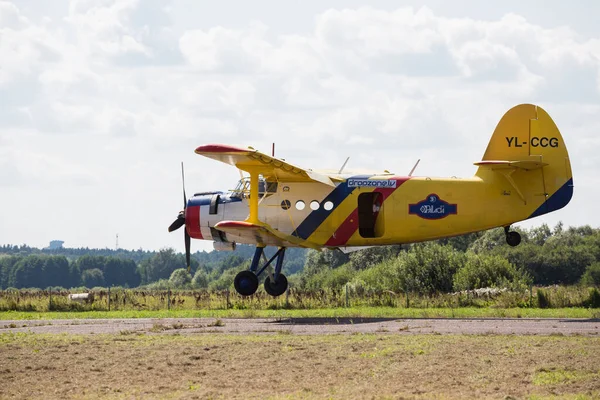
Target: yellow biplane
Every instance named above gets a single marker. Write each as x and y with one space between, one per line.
525 172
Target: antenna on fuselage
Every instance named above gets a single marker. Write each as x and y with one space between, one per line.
273 150
413 168
343 165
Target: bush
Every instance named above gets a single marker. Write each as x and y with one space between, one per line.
384 276
482 271
180 278
334 278
594 299
591 276
430 267
543 299
424 268
161 284
225 281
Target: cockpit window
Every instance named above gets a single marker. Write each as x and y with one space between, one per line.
271 187
242 190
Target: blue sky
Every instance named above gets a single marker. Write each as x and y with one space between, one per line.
101 100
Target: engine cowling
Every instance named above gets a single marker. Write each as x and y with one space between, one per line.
224 246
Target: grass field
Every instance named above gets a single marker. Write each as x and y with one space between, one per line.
365 312
285 366
554 297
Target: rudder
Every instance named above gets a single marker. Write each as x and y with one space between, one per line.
528 149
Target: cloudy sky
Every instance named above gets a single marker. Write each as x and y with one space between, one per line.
101 100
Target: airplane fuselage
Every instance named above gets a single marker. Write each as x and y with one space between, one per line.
367 210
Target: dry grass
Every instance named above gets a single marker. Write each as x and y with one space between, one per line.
297 367
35 300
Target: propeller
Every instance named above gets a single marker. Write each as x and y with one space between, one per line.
180 221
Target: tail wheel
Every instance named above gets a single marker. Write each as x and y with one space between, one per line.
245 283
513 238
276 288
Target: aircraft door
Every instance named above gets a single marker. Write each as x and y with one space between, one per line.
370 215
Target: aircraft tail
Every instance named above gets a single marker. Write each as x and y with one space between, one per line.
529 151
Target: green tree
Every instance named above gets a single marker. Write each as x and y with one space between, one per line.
162 264
40 271
591 277
539 235
7 264
27 272
200 280
462 242
55 271
92 278
368 257
563 264
89 261
120 272
180 278
320 260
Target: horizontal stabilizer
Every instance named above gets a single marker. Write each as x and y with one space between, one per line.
505 164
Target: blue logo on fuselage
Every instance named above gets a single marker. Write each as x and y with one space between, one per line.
432 208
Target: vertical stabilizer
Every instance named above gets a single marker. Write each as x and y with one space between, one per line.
529 151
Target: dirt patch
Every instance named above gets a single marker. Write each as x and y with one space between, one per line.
162 365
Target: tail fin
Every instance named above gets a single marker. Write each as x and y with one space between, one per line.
528 149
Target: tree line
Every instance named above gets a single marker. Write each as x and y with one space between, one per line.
546 256
483 259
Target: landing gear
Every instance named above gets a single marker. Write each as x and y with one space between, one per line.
276 288
512 238
246 282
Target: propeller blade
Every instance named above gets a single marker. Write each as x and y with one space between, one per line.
183 184
187 250
178 223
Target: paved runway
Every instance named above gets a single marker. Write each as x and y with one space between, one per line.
311 326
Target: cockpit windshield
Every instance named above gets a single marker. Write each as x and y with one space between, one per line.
242 190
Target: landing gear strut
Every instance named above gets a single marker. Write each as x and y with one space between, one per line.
512 238
246 282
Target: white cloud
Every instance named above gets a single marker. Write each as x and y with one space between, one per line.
112 95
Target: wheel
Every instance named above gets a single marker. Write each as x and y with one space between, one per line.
513 238
245 283
276 288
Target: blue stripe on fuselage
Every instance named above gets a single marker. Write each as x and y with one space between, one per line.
317 217
204 199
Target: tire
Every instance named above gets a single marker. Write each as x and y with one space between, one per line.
513 238
276 288
245 283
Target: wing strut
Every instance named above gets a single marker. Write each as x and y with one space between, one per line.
253 217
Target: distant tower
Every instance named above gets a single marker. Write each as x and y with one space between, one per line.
55 244
117 243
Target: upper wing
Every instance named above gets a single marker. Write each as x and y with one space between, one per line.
270 167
